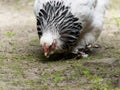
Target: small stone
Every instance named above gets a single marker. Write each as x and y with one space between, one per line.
108 61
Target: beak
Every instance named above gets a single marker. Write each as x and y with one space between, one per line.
46 55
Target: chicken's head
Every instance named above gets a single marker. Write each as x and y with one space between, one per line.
49 49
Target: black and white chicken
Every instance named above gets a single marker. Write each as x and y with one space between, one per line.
68 25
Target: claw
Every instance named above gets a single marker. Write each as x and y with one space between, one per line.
96 46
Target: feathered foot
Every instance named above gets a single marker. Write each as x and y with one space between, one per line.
80 54
83 52
96 46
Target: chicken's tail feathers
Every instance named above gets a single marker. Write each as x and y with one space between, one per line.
101 6
99 13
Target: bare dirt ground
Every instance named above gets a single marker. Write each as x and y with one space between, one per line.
22 66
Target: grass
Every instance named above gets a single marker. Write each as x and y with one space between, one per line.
97 84
10 34
117 21
117 88
34 41
59 74
29 70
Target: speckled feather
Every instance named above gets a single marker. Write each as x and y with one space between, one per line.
70 22
56 14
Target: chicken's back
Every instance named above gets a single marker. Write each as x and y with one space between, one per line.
93 25
77 6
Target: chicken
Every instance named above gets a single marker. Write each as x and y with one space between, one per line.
68 25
